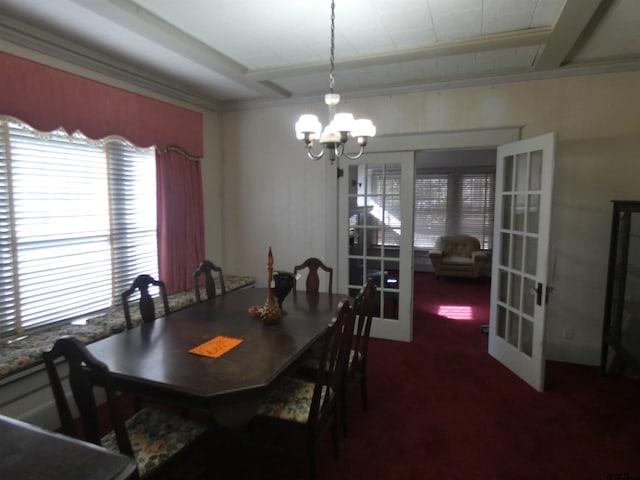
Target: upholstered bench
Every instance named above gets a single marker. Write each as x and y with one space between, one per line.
24 352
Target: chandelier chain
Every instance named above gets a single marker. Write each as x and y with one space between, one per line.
332 55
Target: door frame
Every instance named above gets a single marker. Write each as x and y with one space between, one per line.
449 140
453 140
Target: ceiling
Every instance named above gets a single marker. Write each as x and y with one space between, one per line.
226 54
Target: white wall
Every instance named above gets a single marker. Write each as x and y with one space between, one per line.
274 195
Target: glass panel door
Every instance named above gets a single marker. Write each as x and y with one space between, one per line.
377 241
524 181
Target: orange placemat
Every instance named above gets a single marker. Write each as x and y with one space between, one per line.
216 347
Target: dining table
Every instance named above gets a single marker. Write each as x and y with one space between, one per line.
31 452
156 359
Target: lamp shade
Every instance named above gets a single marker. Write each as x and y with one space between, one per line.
342 122
363 127
308 124
330 136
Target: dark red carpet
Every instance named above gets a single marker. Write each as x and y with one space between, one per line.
442 408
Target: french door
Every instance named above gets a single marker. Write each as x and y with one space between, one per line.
376 236
519 282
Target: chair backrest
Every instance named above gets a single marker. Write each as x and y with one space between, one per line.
364 307
85 373
460 245
146 305
209 270
329 379
313 280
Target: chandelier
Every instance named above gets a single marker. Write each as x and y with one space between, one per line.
341 127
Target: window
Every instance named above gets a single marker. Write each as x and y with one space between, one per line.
454 202
384 203
77 223
445 202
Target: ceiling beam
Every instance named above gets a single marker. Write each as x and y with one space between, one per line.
572 21
130 16
500 41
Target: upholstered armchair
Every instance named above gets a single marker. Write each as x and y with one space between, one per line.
458 256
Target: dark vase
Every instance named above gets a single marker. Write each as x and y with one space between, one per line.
282 285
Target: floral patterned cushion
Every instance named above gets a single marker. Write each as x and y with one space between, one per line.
291 400
155 437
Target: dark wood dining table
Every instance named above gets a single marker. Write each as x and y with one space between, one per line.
30 452
153 359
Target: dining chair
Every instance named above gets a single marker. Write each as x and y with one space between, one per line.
208 269
155 439
356 359
296 414
355 369
313 280
145 304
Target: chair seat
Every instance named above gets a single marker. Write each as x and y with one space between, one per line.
155 437
290 400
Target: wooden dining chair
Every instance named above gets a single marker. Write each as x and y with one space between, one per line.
155 439
355 369
313 280
356 359
146 304
296 414
209 271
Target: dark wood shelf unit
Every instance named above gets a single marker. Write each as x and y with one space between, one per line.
621 326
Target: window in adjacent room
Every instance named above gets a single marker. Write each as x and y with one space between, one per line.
454 202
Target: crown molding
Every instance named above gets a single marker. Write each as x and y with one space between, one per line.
64 50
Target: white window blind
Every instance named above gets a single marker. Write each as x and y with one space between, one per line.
133 207
454 202
78 224
445 203
431 199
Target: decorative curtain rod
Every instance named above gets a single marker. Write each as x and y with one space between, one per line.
177 149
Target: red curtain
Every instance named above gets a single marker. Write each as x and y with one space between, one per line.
180 219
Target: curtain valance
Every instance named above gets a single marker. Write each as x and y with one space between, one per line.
48 98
